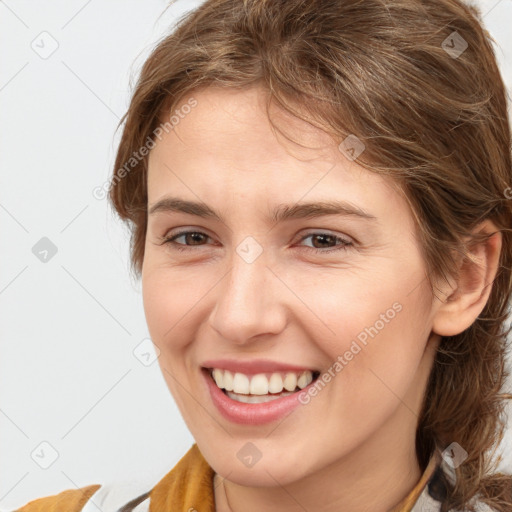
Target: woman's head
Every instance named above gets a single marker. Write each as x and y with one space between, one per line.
395 109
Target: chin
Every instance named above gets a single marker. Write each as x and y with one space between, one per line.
279 467
270 474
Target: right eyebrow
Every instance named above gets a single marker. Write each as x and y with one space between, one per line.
172 204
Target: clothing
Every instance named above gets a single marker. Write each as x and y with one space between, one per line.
188 487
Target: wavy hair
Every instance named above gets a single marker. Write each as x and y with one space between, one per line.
418 83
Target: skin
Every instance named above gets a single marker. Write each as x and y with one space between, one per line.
352 446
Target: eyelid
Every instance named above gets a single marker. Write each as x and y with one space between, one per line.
175 232
343 242
170 239
320 231
312 231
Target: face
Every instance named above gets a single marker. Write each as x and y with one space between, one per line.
252 279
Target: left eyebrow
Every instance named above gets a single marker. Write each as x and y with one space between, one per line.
311 210
280 213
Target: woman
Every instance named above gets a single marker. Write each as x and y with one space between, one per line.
318 194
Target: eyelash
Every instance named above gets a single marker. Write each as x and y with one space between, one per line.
182 247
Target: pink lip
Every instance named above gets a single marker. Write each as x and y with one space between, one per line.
252 367
251 414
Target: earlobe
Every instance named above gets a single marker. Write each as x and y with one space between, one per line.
459 304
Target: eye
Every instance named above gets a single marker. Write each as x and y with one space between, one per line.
190 238
325 241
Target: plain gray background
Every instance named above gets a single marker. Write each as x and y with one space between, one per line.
79 402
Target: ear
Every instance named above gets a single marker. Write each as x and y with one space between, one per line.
461 301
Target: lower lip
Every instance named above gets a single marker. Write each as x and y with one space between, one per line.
251 414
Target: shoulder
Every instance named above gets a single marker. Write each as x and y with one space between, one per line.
118 497
434 495
72 500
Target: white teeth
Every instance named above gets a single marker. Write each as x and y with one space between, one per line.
217 376
228 380
290 382
241 384
260 384
304 379
255 399
275 384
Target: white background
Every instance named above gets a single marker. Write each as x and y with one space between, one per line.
69 326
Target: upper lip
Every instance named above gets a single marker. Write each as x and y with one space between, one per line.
254 366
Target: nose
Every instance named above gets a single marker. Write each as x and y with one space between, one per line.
249 302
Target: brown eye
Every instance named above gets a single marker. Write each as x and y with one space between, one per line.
326 242
323 241
190 238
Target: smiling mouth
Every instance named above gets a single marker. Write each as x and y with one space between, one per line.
261 387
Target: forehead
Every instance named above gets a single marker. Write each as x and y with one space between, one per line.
236 120
225 147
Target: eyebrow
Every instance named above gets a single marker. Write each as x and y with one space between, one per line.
280 213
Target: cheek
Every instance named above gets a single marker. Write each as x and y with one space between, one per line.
347 305
169 299
372 326
385 371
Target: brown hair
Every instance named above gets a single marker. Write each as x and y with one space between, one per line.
434 120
